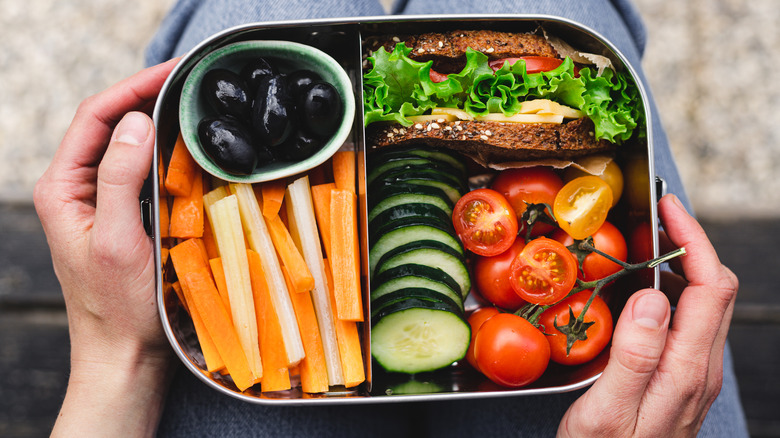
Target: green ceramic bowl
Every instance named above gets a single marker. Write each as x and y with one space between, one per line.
287 56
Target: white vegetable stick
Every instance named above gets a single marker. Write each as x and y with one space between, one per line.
303 228
230 241
260 241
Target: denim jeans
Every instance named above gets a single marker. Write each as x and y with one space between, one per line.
193 409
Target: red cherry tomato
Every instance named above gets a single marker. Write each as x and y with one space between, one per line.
641 250
510 351
599 334
544 271
437 77
485 222
492 277
531 185
607 239
582 205
533 64
476 319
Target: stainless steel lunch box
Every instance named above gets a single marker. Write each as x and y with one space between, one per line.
341 38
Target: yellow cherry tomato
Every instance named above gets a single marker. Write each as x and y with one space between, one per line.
610 173
582 205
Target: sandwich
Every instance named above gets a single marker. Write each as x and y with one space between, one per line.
496 96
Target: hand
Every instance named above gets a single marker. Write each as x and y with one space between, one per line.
662 380
87 201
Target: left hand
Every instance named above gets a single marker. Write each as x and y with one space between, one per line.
88 203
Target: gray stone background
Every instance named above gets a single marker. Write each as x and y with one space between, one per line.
711 64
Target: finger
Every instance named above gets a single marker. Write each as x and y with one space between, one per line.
712 287
673 286
667 246
120 176
637 345
87 137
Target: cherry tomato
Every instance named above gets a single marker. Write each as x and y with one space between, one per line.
641 250
437 77
476 319
607 239
510 351
544 271
531 185
599 334
485 222
594 165
492 277
637 184
582 205
533 64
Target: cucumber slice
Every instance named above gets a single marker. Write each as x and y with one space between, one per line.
430 253
419 293
414 276
452 192
391 196
408 234
440 155
378 167
415 336
384 221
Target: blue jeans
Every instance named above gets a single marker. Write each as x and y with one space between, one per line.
193 409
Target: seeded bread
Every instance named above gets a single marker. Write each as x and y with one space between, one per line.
447 49
495 142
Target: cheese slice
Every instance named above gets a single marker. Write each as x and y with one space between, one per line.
522 118
546 106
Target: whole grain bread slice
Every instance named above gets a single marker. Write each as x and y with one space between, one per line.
447 49
495 142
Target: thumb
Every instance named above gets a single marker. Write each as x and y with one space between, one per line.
121 175
638 341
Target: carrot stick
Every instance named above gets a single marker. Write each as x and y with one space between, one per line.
314 375
181 170
349 346
345 255
187 211
209 305
219 278
320 196
273 194
180 294
290 256
344 170
208 241
187 257
272 350
361 186
165 217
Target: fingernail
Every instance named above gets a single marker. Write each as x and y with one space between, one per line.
133 129
650 310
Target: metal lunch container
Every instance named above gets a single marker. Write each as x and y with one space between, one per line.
342 39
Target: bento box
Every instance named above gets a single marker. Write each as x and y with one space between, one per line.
344 41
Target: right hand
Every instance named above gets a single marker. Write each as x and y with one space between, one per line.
662 380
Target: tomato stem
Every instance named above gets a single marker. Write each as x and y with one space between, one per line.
576 327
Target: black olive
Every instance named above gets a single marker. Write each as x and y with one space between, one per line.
299 80
229 143
319 109
254 71
300 145
272 111
227 93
